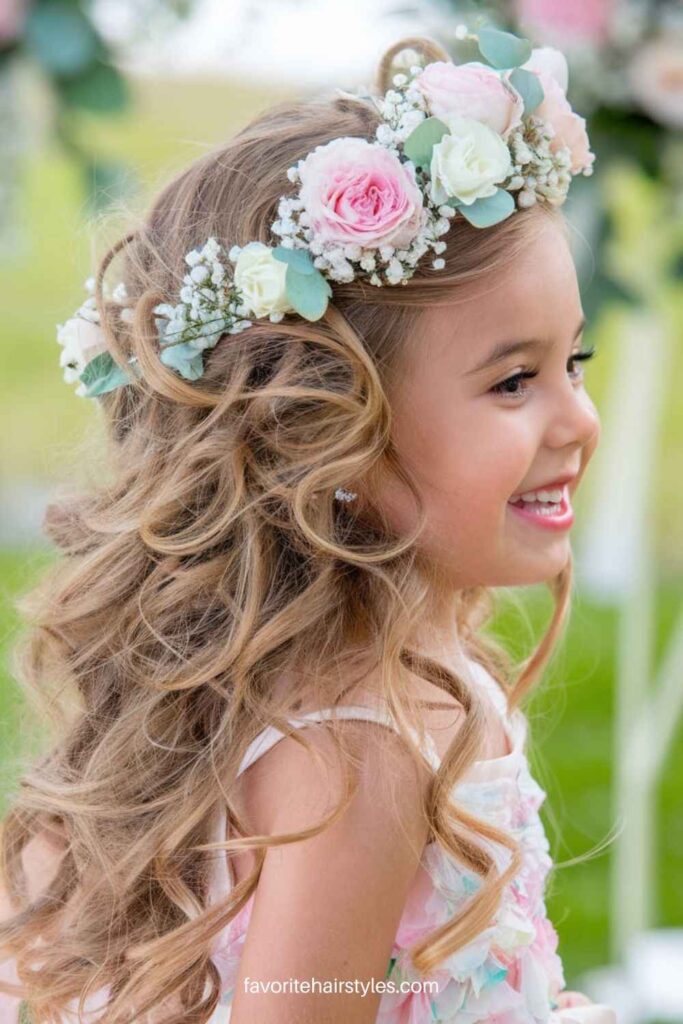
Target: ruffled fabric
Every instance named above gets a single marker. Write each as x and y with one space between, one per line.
511 973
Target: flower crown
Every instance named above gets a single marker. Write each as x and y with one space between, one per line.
479 140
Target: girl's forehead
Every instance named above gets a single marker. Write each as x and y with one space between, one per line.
535 296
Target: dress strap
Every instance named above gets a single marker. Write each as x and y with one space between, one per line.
220 882
483 676
270 735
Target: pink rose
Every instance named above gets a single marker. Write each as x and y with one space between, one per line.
549 62
588 21
570 129
358 192
471 90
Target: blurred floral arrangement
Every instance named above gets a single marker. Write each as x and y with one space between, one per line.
626 78
61 42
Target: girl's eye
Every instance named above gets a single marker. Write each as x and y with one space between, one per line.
509 387
578 357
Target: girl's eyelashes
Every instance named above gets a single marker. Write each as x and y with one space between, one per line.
508 387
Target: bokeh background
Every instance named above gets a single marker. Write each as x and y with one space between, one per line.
100 103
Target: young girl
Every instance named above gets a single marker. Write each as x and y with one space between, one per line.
341 376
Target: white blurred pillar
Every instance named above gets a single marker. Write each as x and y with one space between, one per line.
615 564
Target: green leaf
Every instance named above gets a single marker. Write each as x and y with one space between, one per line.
100 88
102 374
61 38
503 49
483 213
185 359
308 293
421 141
300 259
528 85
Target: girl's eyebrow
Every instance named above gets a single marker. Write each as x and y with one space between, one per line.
509 348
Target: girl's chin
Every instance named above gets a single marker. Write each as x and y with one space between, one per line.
547 568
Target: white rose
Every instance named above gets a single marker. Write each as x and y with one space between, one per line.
261 279
468 162
81 341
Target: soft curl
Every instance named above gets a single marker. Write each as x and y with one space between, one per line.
211 562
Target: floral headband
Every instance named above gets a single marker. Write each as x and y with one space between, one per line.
479 140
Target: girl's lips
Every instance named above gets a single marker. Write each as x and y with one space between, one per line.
562 521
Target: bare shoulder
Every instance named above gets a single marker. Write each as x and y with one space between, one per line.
285 785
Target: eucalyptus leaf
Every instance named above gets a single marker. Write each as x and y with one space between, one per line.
528 85
307 293
421 141
503 49
185 359
483 213
300 259
100 88
102 374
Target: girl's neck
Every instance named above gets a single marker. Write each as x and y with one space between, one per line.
442 643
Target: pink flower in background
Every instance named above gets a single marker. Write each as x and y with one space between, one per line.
570 128
12 18
656 78
576 21
355 191
471 90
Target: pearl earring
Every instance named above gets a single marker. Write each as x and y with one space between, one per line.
342 495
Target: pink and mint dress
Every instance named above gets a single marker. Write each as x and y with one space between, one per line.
511 973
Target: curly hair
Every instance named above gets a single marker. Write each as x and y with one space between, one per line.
211 562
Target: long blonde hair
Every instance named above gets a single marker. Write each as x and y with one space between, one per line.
211 561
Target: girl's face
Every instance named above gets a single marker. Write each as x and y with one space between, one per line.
474 433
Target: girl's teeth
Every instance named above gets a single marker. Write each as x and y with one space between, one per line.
543 508
553 496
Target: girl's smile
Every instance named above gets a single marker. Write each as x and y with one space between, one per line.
548 514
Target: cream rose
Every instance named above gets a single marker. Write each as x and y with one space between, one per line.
261 280
81 341
469 162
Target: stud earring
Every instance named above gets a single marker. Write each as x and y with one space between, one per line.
342 495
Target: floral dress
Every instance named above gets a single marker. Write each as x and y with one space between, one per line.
511 973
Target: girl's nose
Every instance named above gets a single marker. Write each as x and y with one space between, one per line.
574 420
